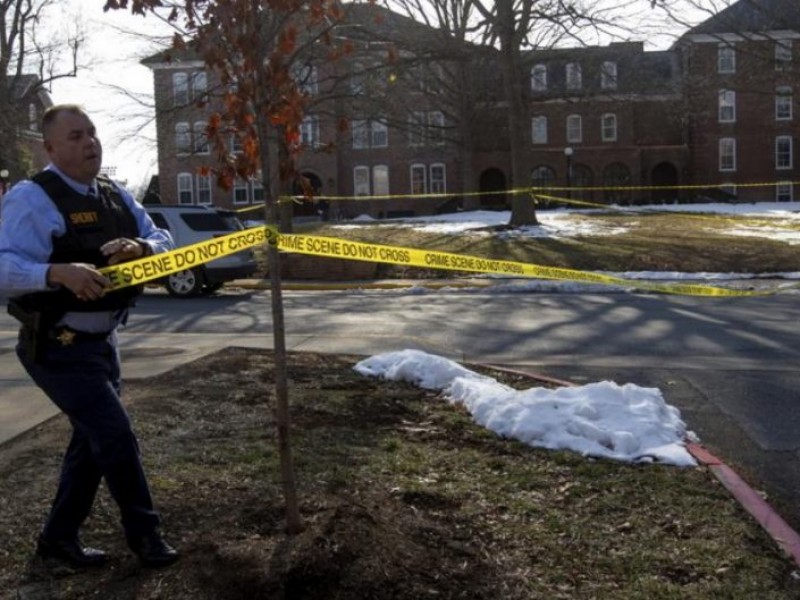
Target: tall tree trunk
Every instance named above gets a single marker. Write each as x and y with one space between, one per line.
282 415
522 209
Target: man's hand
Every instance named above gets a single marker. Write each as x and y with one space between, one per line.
83 280
122 250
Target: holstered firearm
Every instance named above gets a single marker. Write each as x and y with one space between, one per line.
34 328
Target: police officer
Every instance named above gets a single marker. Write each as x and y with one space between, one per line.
57 230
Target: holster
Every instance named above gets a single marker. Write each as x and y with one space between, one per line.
34 329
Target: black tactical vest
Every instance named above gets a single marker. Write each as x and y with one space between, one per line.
90 223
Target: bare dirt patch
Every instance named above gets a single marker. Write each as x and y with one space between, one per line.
402 496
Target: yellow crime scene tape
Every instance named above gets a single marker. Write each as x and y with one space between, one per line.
160 265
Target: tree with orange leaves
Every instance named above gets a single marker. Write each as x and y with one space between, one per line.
256 49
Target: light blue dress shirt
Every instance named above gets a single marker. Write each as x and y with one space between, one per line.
28 222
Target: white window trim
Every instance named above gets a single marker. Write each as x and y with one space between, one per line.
603 136
180 85
733 154
784 94
368 189
444 178
238 185
575 139
183 131
182 180
574 76
375 189
608 75
204 184
539 78
539 119
420 168
778 140
200 143
720 52
722 103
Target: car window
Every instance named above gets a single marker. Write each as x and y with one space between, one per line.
159 221
205 221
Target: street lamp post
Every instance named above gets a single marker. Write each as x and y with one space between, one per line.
568 154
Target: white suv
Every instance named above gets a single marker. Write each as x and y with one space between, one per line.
192 224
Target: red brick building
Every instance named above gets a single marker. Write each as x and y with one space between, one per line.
606 124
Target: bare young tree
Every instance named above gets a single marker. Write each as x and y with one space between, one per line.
30 61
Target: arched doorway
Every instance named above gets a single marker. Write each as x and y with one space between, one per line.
306 208
664 178
492 182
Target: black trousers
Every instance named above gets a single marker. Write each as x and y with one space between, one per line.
83 379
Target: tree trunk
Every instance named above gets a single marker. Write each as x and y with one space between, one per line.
282 416
522 208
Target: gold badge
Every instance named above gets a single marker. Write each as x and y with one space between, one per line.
66 337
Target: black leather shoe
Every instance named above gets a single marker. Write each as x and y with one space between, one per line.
152 550
69 552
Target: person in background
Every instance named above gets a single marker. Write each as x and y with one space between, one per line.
56 231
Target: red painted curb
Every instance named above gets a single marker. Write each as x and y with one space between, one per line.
779 530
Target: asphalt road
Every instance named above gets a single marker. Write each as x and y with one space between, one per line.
728 364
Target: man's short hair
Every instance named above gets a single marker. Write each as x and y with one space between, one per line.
51 114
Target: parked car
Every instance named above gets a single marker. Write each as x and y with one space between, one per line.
192 224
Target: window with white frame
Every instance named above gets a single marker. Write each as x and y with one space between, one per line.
727 106
200 137
783 191
180 89
203 189
783 152
370 134
783 103
419 179
727 154
374 182
185 195
539 129
309 131
240 195
726 59
379 134
361 185
199 85
608 75
574 129
608 127
425 180
438 178
380 180
183 138
783 55
539 78
574 77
